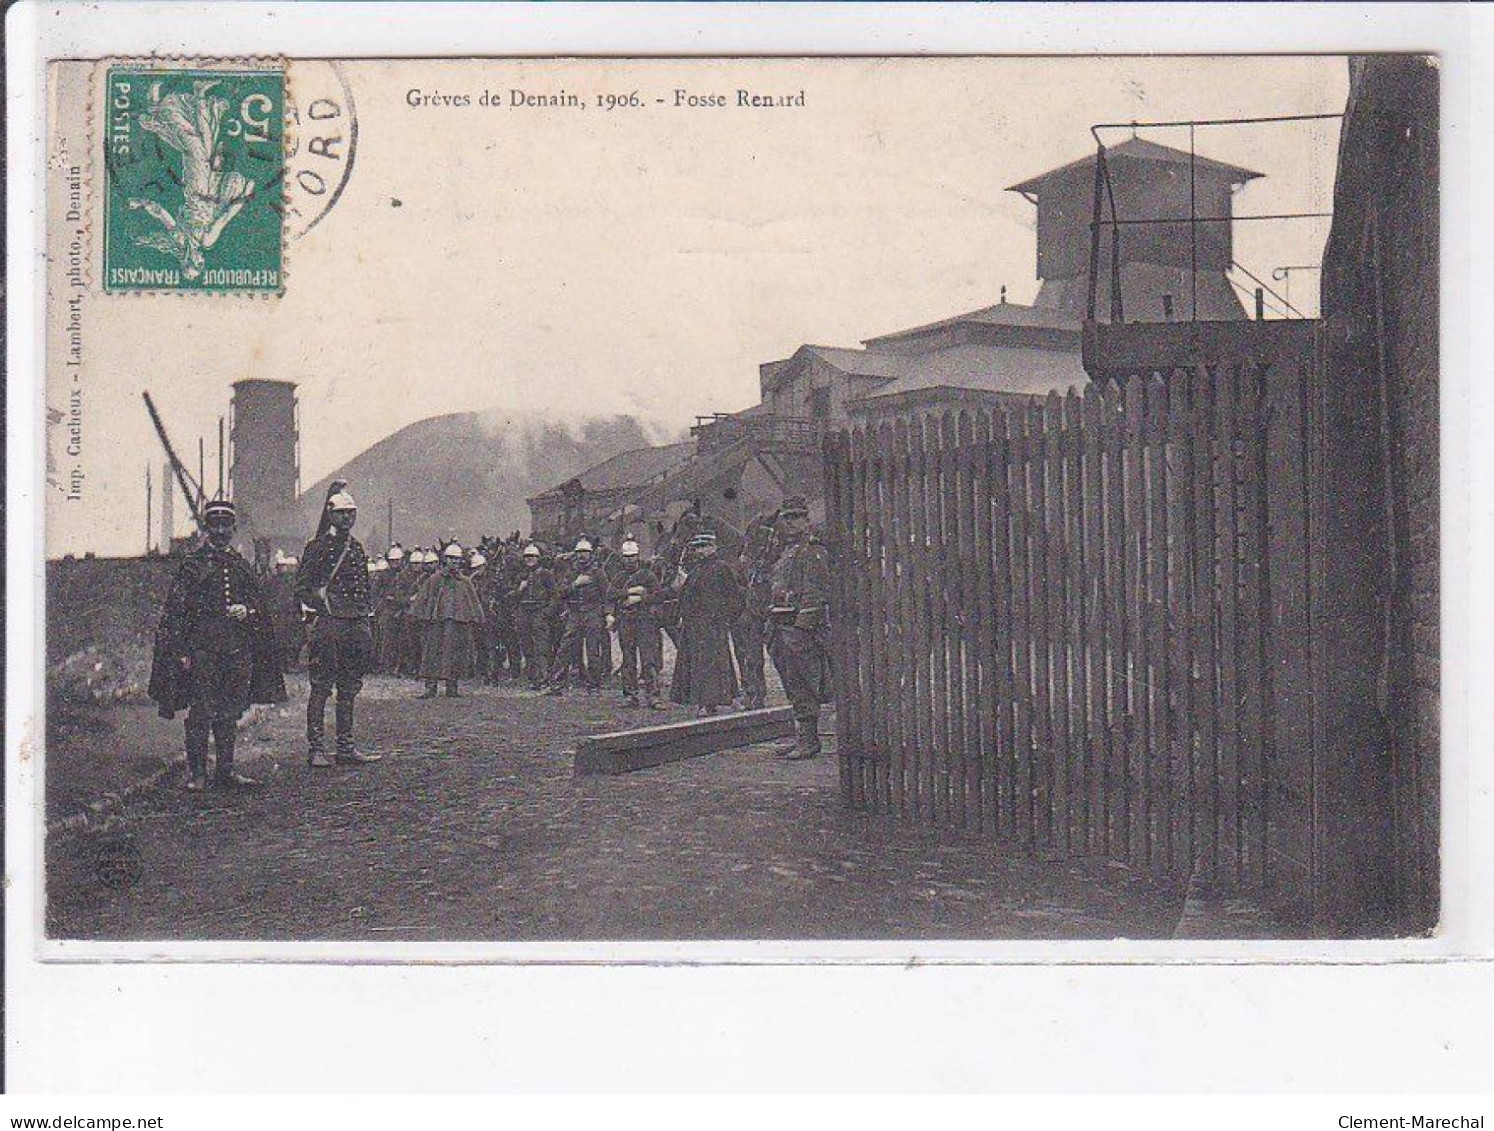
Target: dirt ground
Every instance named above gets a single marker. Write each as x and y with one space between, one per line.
474 828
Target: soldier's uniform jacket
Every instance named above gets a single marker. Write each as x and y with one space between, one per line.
586 597
505 582
196 617
534 589
617 571
385 592
645 611
800 588
347 594
758 554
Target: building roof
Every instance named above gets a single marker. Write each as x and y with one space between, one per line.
1001 314
1137 149
631 468
861 362
988 368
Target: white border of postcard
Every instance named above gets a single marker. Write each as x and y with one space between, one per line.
58 1007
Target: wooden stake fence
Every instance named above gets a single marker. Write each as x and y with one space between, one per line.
1081 626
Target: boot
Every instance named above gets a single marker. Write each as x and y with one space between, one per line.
197 752
430 690
347 754
451 689
225 733
316 721
807 728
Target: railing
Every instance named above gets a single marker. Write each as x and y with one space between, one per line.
724 429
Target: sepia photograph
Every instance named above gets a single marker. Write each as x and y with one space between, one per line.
550 500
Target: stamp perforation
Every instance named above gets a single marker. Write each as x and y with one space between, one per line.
234 66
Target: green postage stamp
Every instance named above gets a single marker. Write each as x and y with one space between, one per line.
194 169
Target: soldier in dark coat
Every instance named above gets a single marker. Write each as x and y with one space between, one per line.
799 641
749 631
450 614
669 561
505 654
332 585
215 649
391 598
584 644
638 633
710 599
285 614
534 596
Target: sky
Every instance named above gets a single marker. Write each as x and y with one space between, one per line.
646 260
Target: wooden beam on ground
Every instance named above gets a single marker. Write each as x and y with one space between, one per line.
624 751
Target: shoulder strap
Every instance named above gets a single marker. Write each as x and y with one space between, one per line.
346 546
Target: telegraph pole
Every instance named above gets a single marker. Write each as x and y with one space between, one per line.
390 541
168 518
148 509
220 458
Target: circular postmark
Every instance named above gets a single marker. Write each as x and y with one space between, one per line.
117 862
321 142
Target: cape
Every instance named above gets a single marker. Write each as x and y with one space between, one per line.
447 598
169 681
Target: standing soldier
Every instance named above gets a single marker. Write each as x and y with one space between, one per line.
419 569
710 599
332 585
638 632
389 610
215 649
378 585
534 596
285 614
503 609
584 644
449 613
800 623
749 630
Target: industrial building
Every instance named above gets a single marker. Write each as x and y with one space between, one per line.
1171 259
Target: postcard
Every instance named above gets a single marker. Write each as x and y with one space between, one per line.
543 500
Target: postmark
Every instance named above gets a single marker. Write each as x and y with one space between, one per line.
321 145
117 861
194 161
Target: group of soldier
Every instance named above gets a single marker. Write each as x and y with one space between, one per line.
507 609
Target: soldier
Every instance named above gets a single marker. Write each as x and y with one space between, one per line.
749 630
638 632
215 650
710 599
285 614
668 561
800 614
332 585
389 610
534 596
420 568
584 645
449 612
378 578
506 654
476 569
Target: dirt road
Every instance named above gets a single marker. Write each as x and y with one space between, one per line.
473 828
